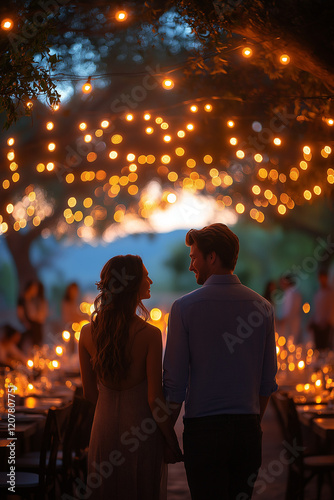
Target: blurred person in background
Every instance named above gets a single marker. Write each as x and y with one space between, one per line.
322 321
32 311
288 322
70 305
9 351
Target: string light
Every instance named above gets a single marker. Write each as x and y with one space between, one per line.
230 123
87 87
7 24
167 84
247 52
284 59
121 16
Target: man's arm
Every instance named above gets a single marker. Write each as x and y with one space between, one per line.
176 362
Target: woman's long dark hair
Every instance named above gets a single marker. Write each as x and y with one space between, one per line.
115 307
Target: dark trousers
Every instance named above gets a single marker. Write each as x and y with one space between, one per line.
222 456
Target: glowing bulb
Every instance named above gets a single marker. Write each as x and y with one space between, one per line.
330 121
7 24
104 124
83 126
49 125
193 108
55 107
167 138
190 126
277 141
149 130
30 363
208 107
87 87
129 117
155 314
11 141
171 198
59 350
29 104
168 84
247 52
230 124
66 335
147 116
121 16
51 146
284 59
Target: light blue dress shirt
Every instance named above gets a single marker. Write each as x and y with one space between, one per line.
220 353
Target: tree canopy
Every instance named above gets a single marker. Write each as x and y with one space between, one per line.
230 101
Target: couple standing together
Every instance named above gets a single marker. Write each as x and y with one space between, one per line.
220 359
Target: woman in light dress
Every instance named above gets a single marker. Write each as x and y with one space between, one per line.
121 367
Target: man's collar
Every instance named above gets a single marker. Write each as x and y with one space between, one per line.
221 279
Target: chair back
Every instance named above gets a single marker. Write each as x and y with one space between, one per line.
56 425
291 427
76 441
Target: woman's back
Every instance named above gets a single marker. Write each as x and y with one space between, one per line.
124 434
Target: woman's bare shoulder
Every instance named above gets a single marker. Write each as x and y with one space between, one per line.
86 336
147 330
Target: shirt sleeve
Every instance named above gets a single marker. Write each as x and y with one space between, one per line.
176 360
269 367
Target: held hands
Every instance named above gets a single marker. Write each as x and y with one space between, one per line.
172 453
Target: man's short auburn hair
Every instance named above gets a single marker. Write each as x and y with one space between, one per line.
216 238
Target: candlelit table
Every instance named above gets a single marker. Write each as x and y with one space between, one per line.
324 427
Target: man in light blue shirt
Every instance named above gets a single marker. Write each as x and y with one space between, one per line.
221 360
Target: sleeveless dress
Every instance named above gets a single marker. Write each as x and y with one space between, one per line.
125 458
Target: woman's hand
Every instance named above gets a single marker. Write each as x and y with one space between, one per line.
173 454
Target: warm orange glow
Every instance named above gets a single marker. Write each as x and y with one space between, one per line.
306 308
105 124
307 194
7 24
86 88
167 138
51 146
240 154
306 150
147 116
330 121
49 125
10 141
277 141
247 52
240 208
193 108
190 127
230 123
208 107
121 16
129 117
256 189
155 314
168 84
233 141
284 59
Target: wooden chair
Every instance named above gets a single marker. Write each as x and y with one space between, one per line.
302 468
41 484
76 441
